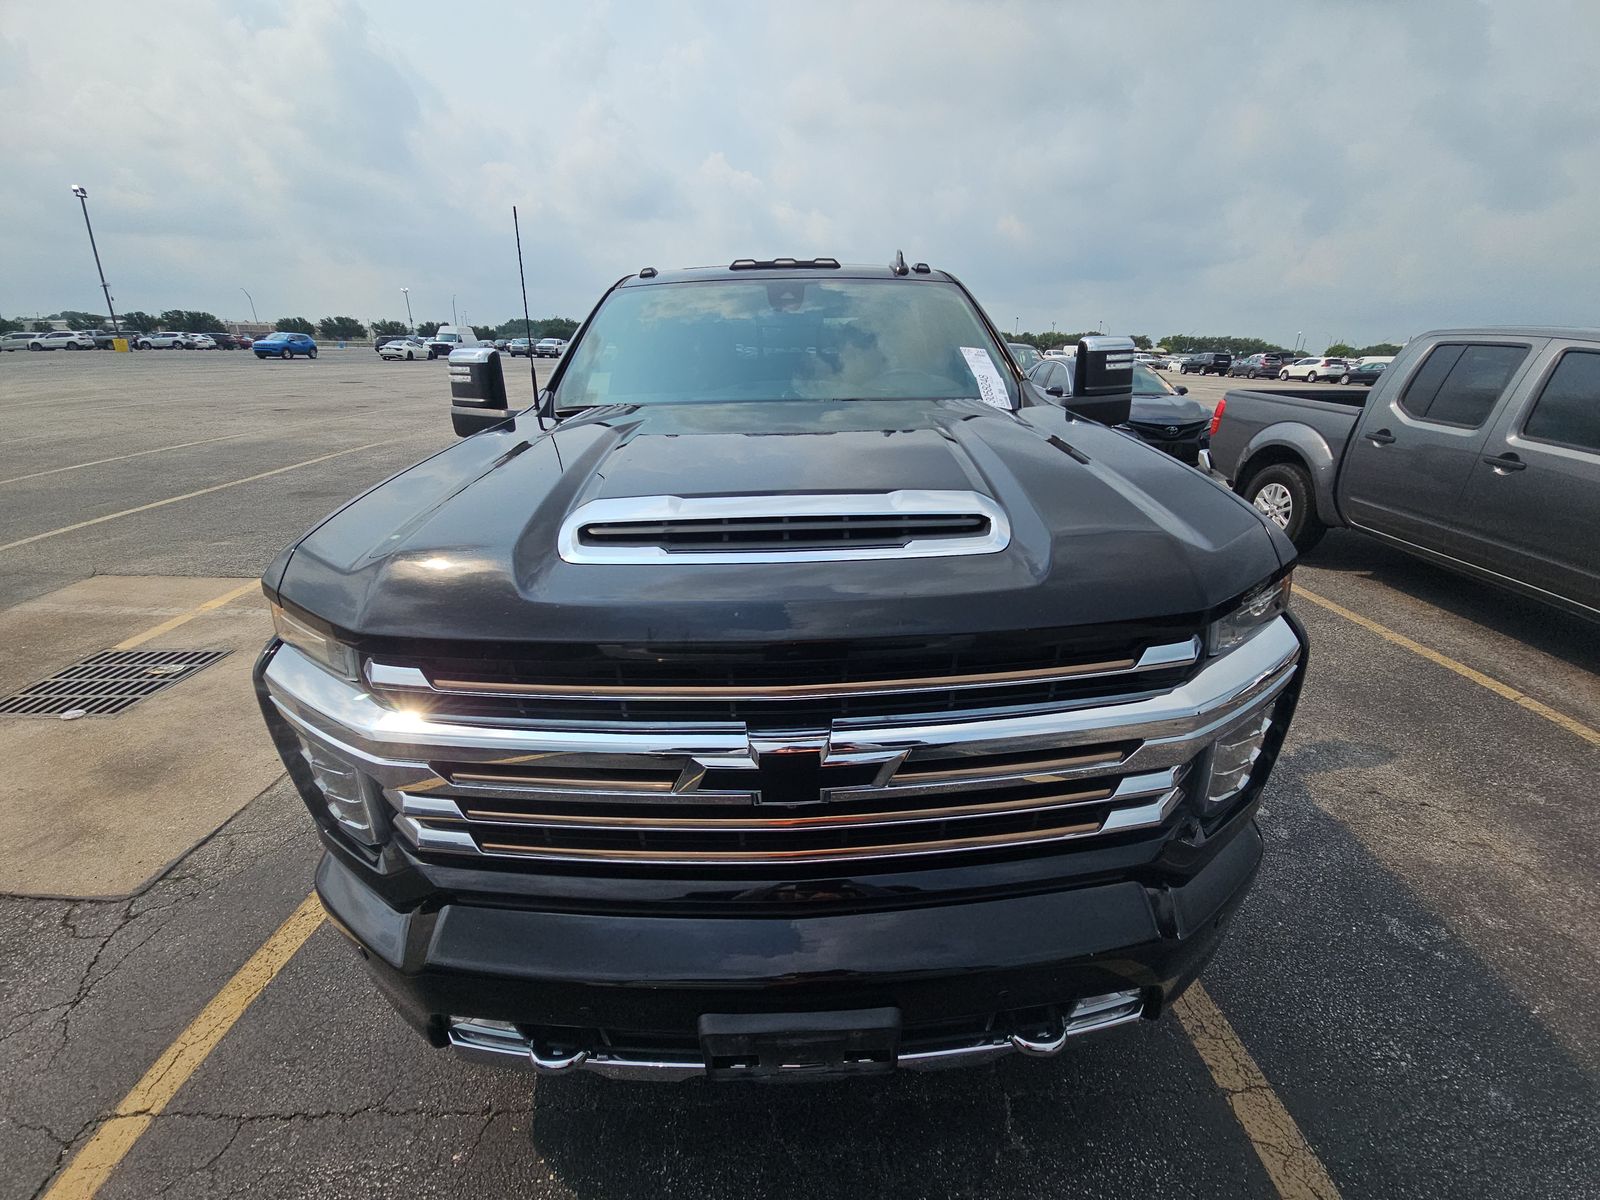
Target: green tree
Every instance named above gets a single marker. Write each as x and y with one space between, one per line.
1379 349
190 320
42 327
389 328
1184 343
295 325
1142 340
77 319
341 328
427 328
7 325
137 319
1340 350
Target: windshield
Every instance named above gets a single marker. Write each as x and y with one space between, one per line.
1147 383
785 339
1025 354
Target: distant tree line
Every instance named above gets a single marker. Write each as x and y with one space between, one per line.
1183 343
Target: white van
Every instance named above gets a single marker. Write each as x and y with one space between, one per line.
452 337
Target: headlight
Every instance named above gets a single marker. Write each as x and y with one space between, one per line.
1259 607
351 797
1233 757
323 649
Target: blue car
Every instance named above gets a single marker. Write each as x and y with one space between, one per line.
285 345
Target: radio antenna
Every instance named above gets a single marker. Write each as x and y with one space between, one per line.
527 321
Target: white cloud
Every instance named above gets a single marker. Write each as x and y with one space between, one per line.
1356 169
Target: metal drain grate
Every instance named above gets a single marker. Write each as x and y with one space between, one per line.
107 683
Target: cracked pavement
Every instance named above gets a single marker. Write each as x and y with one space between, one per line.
1415 975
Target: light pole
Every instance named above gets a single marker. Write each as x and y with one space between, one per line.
453 319
406 292
1016 326
254 320
82 194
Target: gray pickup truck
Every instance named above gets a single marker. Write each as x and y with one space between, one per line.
1478 449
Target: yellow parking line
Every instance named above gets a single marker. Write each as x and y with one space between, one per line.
1570 724
128 512
92 1166
1291 1163
140 639
99 462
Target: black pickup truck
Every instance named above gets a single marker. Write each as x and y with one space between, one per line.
791 691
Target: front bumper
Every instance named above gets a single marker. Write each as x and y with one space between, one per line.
623 994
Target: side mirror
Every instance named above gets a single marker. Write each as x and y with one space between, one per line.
1181 390
1102 380
477 390
1054 391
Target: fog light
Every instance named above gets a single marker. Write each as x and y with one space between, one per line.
345 790
1234 756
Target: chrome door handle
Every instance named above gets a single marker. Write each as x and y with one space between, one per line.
1503 463
1381 438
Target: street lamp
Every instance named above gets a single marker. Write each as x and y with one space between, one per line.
255 320
82 194
406 292
454 320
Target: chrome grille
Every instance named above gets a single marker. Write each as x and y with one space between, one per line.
731 796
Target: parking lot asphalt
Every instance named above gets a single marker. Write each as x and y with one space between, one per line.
1416 975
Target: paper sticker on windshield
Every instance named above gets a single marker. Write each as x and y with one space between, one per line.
991 388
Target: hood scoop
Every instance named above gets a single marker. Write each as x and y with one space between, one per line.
820 527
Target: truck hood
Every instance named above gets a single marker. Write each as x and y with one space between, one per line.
463 546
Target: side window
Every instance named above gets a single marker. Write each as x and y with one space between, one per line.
1458 385
1568 409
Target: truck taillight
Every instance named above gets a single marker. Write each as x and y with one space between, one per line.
1216 417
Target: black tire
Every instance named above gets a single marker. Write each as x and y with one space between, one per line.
311 353
1283 375
286 354
1289 502
1345 378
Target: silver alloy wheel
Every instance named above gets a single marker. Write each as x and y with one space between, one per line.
1277 503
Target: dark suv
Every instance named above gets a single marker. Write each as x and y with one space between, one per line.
1209 362
816 698
1257 366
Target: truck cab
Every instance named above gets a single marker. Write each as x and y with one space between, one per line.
452 337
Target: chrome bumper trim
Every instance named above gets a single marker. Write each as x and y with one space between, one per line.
496 1043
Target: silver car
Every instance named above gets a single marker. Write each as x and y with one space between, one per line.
166 341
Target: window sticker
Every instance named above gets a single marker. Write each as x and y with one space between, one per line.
991 388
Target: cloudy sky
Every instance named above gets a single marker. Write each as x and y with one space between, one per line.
1352 170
